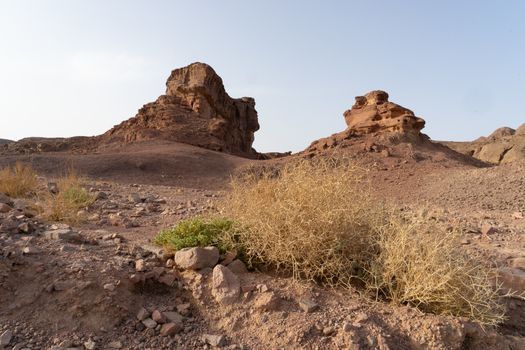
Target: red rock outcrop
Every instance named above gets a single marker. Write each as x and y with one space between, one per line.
373 113
195 110
373 116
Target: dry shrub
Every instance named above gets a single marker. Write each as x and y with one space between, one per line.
311 219
318 220
71 197
18 181
421 264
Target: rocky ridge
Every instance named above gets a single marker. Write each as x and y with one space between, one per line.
504 145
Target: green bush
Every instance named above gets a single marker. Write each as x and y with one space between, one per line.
195 232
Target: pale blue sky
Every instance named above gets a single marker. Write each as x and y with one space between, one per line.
75 67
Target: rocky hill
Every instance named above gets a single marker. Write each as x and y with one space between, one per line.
504 145
4 141
195 110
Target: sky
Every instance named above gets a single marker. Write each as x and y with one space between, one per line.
78 67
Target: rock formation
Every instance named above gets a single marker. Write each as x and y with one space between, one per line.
504 145
373 115
195 110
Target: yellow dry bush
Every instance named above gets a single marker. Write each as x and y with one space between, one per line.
71 198
18 181
423 265
318 220
311 219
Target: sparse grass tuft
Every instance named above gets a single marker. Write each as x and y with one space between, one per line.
195 232
18 181
318 221
71 197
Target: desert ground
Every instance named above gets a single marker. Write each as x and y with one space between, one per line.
99 280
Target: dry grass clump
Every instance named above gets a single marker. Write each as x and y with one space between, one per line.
313 219
71 198
318 220
18 181
421 264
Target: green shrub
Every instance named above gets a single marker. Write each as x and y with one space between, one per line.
70 198
195 232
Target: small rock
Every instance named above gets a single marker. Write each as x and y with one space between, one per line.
64 235
327 331
308 305
214 340
229 257
184 309
262 288
29 250
268 301
101 195
158 317
109 286
173 316
25 228
347 327
90 345
135 198
149 323
4 208
226 286
237 266
5 338
143 314
115 345
487 229
197 258
512 279
171 328
139 265
517 215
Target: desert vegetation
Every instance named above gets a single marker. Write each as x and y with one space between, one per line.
318 221
18 180
69 198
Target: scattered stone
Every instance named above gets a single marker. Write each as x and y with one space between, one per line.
172 316
4 208
229 257
64 235
168 279
214 340
25 228
184 309
90 345
109 286
237 266
143 314
197 258
29 250
115 345
101 196
517 215
268 301
169 329
262 288
487 229
308 305
328 331
225 285
158 317
5 338
140 265
465 241
170 263
347 327
149 323
135 198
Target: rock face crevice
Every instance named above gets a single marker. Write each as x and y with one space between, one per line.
195 110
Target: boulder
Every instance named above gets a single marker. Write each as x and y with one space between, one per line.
226 286
196 258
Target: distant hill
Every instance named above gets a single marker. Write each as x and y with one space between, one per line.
4 141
